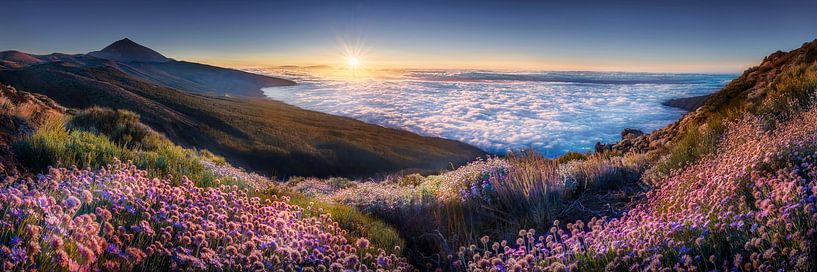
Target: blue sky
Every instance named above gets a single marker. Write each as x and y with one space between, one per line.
686 36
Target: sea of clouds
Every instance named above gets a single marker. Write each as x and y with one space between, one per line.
551 112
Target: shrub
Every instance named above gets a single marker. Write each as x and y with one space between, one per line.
349 218
6 107
121 126
411 180
338 183
571 156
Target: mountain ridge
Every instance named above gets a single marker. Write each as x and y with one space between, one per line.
148 65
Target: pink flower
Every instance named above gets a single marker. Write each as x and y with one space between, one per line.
362 243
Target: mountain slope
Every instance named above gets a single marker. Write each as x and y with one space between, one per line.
202 78
263 135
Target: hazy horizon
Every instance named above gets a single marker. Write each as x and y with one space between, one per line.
631 36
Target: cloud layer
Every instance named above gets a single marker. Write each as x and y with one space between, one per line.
550 112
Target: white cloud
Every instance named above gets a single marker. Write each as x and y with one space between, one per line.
500 112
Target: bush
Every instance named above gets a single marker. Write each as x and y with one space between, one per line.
357 223
411 180
338 183
571 156
121 126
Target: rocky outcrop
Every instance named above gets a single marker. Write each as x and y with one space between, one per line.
687 103
630 139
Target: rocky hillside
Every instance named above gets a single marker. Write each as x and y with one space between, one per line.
20 113
744 94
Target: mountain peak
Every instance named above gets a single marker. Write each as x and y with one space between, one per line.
129 51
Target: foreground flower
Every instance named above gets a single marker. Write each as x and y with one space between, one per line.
119 219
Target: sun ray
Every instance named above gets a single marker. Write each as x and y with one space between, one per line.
353 53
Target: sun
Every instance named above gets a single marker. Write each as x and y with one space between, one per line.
353 62
353 52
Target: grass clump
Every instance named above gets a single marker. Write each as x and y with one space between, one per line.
691 146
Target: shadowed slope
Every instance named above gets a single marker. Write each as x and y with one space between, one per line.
263 135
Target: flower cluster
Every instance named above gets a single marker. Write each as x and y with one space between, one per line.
751 206
477 180
234 175
119 219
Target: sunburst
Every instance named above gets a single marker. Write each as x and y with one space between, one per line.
353 53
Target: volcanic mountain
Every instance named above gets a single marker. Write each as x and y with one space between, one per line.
126 50
221 109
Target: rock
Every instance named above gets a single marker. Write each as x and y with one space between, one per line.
631 133
601 148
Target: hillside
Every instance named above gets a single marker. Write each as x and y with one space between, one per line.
760 90
259 134
728 187
20 114
110 179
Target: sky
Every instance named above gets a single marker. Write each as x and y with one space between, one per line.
645 36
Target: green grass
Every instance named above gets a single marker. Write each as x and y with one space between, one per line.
691 146
54 144
121 126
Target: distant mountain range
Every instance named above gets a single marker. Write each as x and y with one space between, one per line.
221 109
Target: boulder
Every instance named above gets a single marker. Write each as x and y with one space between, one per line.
631 133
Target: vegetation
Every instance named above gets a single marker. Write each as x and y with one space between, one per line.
54 144
496 196
700 178
787 92
98 137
